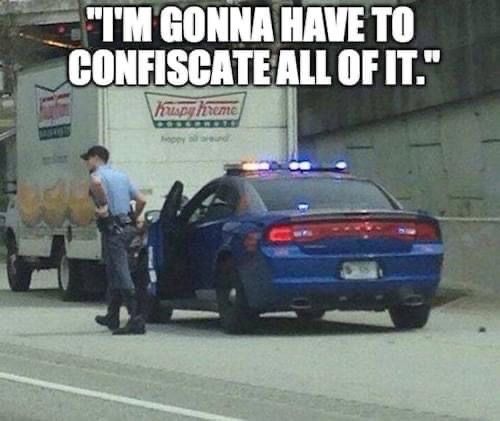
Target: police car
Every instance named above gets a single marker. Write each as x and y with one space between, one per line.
268 237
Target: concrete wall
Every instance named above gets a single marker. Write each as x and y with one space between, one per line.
472 254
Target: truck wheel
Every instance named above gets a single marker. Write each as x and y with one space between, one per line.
68 276
235 315
18 271
310 315
405 317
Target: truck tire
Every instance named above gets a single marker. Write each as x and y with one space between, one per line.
234 313
69 279
18 271
406 317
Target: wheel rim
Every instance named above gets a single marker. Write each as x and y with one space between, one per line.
64 273
11 261
11 265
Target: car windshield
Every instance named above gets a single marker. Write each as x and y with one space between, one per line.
321 193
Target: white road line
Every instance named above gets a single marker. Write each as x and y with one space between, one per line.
116 398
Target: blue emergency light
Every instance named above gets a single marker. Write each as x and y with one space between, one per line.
300 166
341 166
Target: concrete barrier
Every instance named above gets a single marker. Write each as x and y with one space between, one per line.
472 254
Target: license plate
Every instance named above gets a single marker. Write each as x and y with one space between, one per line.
359 271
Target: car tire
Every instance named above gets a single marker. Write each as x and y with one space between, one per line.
310 315
69 279
154 312
18 271
234 313
149 305
406 317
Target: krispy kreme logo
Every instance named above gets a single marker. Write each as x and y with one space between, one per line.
173 111
54 108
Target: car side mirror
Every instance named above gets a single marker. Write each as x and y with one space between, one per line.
152 216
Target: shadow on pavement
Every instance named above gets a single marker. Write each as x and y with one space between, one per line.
275 326
448 295
41 298
92 333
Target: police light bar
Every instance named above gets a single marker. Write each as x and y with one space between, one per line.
294 166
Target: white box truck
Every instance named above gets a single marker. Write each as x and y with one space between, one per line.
156 134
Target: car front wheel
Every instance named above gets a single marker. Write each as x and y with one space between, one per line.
235 315
406 317
149 305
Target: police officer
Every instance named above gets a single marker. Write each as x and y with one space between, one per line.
112 192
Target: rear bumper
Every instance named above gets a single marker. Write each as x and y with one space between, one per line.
296 295
314 283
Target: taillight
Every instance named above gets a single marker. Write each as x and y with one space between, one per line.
280 234
406 230
428 231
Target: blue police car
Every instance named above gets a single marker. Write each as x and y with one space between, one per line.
269 238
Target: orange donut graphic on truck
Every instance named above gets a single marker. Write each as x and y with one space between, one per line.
55 204
30 204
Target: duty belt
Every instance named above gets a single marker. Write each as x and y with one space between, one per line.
122 220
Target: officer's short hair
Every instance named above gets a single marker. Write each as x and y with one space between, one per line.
97 150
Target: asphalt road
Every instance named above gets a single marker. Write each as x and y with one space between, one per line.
56 364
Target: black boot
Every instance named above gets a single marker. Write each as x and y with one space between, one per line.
112 319
136 324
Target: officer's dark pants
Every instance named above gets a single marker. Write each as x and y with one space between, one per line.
115 251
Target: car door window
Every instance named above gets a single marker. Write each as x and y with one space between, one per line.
200 211
224 203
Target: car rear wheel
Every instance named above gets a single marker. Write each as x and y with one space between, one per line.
235 315
406 317
310 315
18 271
69 279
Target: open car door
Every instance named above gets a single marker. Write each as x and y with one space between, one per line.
171 207
153 280
168 248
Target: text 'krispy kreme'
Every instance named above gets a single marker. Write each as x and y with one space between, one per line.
193 111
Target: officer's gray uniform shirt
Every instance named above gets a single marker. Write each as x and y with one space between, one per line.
119 189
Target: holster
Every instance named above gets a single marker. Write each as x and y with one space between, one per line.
106 225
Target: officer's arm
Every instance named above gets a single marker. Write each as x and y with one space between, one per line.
140 204
97 190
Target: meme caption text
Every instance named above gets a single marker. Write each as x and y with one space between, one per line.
231 45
